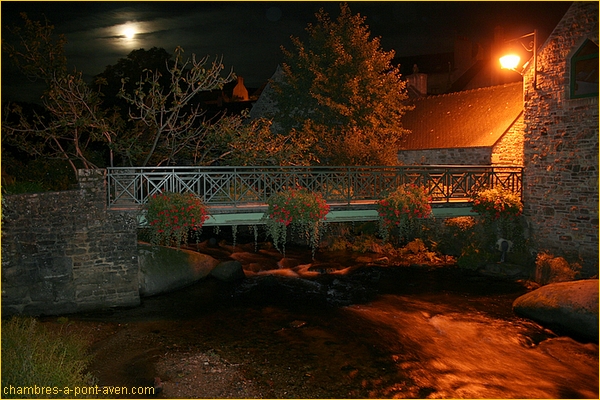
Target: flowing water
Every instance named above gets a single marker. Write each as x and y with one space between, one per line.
369 332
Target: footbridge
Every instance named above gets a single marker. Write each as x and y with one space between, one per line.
238 195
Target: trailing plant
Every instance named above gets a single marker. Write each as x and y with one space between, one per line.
401 210
302 210
500 209
173 216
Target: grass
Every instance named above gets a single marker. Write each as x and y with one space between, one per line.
35 357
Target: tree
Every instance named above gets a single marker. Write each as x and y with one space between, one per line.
340 89
254 143
131 68
73 121
157 111
173 123
171 127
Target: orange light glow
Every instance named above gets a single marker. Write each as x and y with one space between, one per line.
510 61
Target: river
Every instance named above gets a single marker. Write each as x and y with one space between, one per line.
341 331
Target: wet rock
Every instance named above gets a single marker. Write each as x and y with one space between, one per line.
297 324
248 258
363 260
253 268
380 261
325 267
279 290
228 271
570 306
163 269
288 262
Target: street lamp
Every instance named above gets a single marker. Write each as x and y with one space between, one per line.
512 61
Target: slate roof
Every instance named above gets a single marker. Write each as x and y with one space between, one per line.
473 118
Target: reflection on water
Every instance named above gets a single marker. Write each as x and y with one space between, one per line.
402 332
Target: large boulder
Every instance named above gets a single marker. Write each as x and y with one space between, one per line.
569 306
228 271
163 269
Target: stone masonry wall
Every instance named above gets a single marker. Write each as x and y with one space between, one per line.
509 149
452 156
561 146
63 252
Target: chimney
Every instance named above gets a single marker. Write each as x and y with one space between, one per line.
418 81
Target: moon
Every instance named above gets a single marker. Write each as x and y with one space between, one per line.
129 33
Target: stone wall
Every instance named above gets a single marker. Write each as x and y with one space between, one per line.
451 156
561 146
509 149
63 252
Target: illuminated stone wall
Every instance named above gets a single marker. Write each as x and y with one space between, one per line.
451 156
561 146
509 149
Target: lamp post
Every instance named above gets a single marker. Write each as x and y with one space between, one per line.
511 61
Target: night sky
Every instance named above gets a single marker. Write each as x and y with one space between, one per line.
249 34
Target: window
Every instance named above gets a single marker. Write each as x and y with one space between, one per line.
584 71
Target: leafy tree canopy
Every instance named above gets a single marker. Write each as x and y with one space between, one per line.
131 69
340 90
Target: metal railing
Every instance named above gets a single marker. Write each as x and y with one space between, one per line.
237 186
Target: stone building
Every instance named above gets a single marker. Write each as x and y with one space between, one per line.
474 127
561 139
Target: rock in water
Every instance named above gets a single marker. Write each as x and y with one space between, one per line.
570 306
228 271
163 269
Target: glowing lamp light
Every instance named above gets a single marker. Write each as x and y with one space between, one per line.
510 61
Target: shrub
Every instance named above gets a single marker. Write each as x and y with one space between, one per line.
550 269
33 356
172 216
300 209
401 210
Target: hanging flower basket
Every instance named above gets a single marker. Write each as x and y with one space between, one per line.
500 208
497 203
401 209
173 216
300 209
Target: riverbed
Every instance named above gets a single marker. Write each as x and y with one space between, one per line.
339 326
